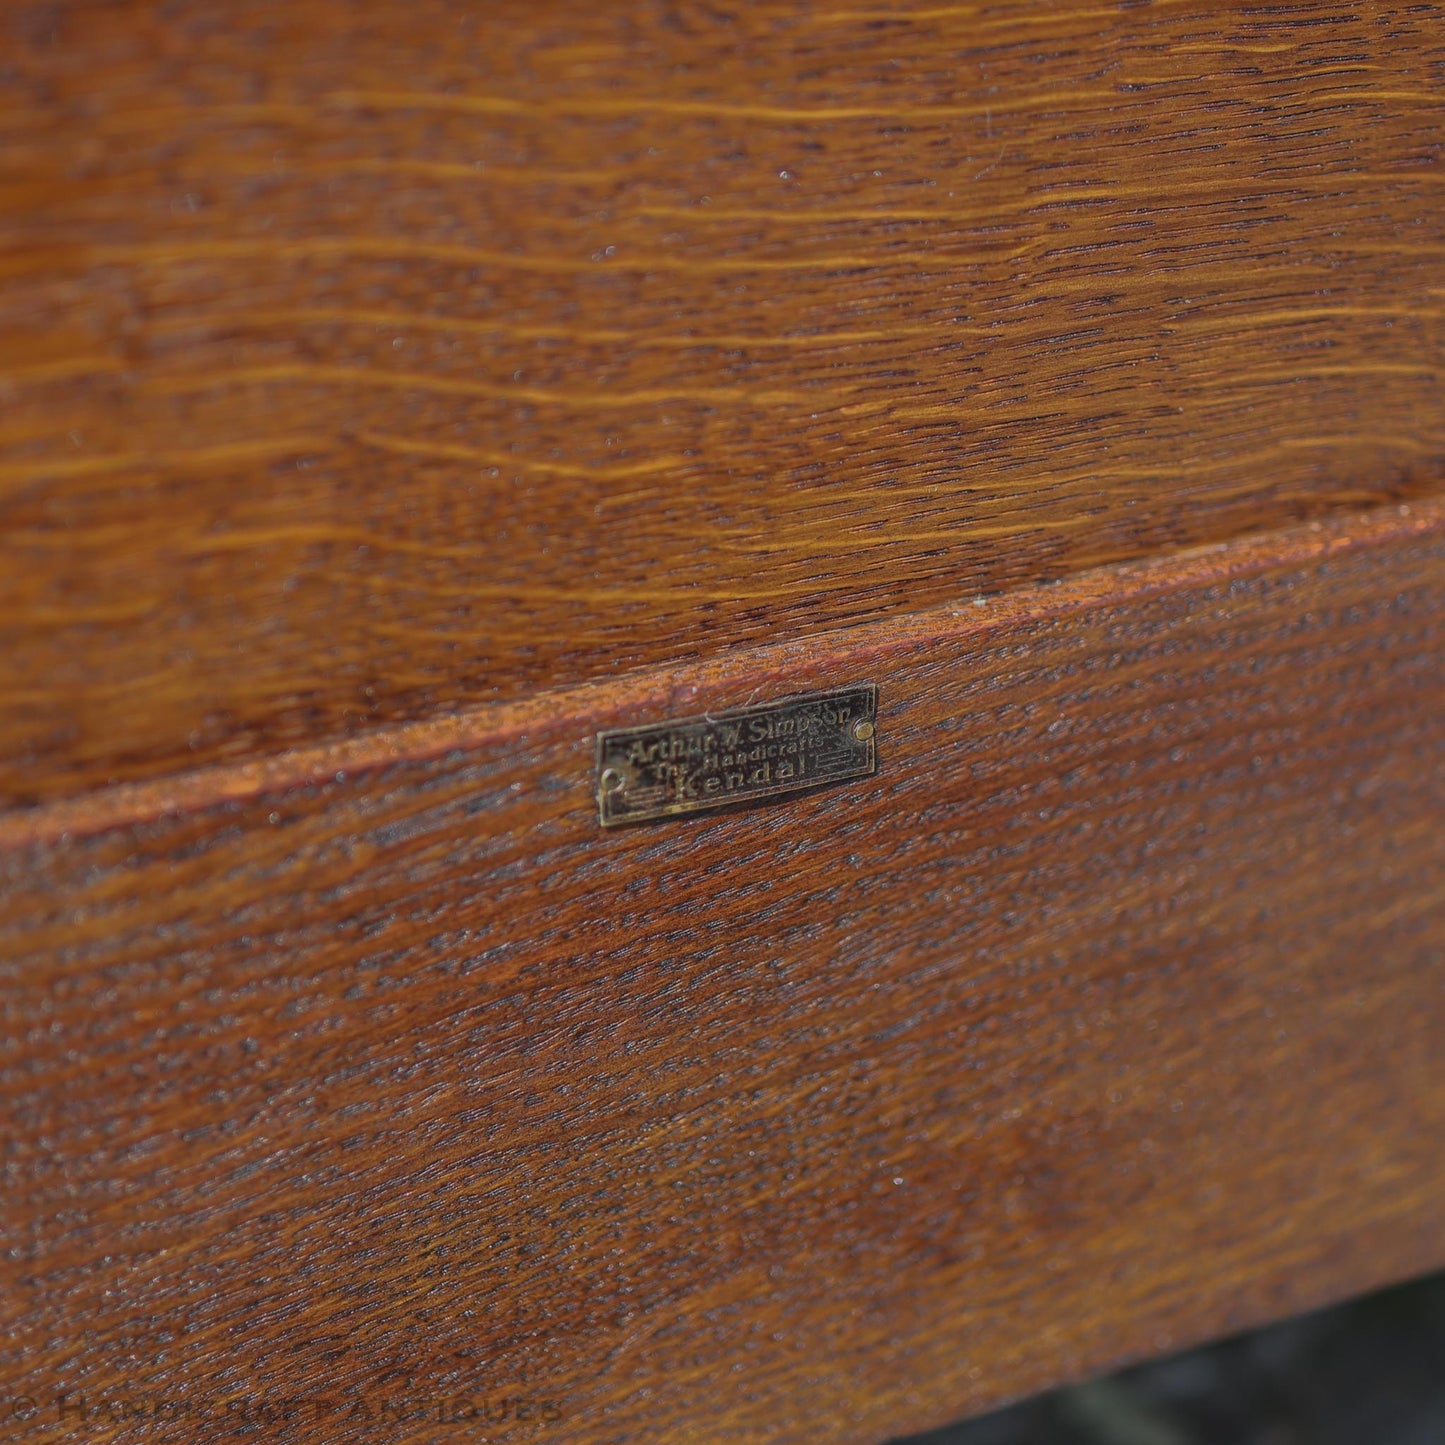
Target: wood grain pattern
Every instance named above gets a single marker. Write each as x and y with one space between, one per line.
358 363
1108 1016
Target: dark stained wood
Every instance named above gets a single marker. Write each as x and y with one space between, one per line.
1107 1017
361 362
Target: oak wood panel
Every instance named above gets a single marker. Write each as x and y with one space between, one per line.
360 362
1108 1016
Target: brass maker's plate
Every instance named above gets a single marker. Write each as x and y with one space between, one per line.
669 768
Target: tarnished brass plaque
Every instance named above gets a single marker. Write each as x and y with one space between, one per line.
668 768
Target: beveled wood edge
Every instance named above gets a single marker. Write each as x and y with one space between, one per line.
666 691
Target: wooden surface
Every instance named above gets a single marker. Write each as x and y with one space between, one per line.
1106 1017
361 362
393 396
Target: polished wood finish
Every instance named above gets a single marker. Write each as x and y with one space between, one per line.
362 362
392 396
1108 1016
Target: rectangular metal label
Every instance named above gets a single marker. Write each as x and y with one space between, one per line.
669 768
